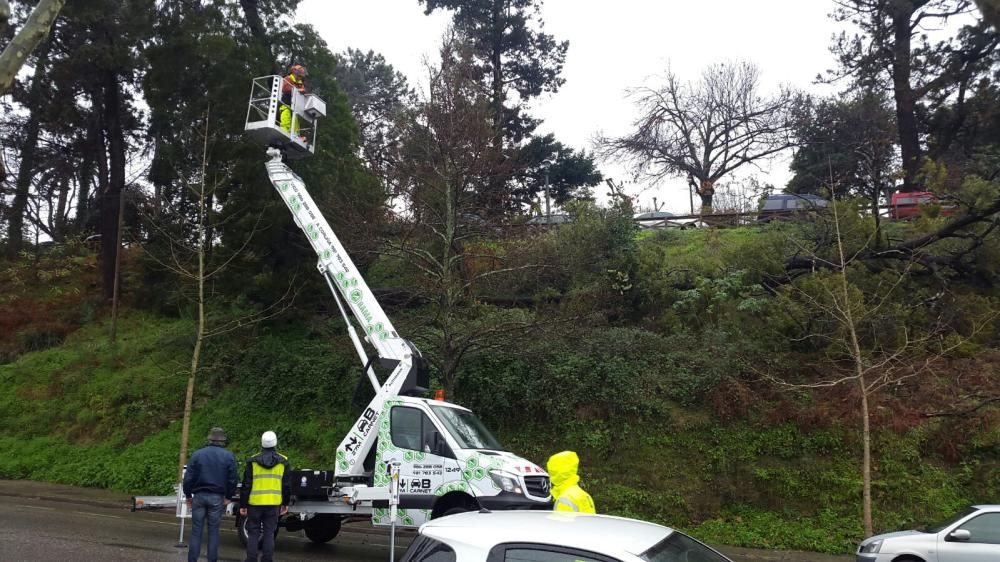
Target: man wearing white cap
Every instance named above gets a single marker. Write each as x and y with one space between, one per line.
264 497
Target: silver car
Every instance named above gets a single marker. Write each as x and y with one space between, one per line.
970 536
545 536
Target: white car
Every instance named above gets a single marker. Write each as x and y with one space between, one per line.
970 536
546 536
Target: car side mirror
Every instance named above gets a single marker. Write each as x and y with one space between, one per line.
440 447
959 535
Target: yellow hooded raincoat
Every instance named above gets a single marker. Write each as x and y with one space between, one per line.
566 491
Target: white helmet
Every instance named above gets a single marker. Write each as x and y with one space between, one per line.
268 440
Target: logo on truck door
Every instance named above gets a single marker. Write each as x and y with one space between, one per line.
366 423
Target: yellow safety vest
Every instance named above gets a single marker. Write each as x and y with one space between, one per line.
266 487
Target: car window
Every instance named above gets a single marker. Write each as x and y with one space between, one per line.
543 555
678 547
937 528
533 552
984 529
905 201
426 549
411 429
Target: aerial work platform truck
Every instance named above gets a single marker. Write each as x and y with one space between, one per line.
447 460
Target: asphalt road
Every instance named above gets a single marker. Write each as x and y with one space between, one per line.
43 522
41 529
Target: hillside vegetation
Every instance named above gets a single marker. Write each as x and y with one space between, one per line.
652 355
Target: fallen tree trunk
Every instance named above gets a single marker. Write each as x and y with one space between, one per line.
915 249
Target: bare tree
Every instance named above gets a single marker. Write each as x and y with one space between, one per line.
188 255
867 346
741 197
705 129
30 35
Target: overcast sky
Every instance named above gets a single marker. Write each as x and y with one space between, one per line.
613 45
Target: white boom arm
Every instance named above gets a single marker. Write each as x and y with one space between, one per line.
344 278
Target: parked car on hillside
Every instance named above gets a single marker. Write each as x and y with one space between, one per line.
653 216
788 206
545 220
972 535
546 536
906 204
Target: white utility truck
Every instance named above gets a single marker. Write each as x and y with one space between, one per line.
448 461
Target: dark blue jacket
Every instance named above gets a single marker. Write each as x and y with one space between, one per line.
212 469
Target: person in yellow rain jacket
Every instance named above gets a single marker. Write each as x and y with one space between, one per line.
264 497
294 81
566 490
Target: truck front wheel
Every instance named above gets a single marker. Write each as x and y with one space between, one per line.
455 502
322 529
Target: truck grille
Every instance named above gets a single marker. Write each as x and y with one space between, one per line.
537 486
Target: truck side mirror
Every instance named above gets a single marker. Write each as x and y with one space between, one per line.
440 447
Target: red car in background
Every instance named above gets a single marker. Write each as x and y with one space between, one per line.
906 204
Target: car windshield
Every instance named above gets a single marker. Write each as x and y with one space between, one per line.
938 527
465 427
678 547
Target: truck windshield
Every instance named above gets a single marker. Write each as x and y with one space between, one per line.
466 428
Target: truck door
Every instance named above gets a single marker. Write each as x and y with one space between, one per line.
422 469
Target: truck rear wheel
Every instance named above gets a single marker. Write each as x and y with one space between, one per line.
322 529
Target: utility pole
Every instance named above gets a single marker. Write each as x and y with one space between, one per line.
691 191
118 266
548 215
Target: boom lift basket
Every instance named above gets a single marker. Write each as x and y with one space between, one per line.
263 121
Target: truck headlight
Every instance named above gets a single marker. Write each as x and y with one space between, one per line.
870 548
506 482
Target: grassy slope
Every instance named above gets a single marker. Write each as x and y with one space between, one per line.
92 414
95 414
88 413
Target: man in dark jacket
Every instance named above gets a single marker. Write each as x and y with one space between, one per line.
264 497
209 482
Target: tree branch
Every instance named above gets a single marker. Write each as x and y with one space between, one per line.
35 29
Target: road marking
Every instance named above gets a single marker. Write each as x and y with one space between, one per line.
96 514
172 524
37 507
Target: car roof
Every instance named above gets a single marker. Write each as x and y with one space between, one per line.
603 534
809 196
653 215
911 193
554 218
